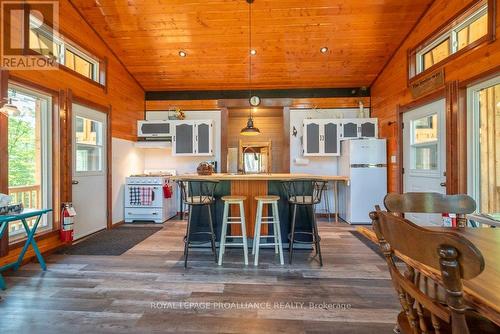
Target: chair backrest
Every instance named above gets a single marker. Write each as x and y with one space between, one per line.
198 191
451 254
304 191
425 202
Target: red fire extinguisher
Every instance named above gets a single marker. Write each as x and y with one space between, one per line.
67 217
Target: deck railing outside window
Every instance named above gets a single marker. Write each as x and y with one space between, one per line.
30 196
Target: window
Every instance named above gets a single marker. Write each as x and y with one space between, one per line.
66 53
29 151
424 143
484 145
465 30
89 145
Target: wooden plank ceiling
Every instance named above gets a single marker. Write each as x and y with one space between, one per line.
287 34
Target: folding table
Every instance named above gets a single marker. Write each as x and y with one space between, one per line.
30 240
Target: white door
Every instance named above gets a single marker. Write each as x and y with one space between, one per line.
89 170
424 154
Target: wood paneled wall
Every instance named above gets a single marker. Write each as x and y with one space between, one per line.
271 129
122 91
390 89
122 94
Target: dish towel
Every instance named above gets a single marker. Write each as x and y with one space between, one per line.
135 196
167 191
146 195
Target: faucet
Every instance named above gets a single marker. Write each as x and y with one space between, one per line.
243 153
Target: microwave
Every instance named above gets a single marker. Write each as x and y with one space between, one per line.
154 129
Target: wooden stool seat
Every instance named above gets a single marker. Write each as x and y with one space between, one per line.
226 220
273 220
267 198
233 198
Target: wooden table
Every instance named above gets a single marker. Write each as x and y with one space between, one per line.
481 292
482 219
30 240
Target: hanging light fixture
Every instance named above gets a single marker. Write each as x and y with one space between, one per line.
10 109
250 129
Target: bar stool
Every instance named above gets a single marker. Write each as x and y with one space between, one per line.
198 193
273 220
228 201
305 193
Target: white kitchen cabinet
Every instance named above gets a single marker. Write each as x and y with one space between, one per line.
321 137
359 128
192 138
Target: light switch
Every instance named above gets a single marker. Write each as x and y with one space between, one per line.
393 159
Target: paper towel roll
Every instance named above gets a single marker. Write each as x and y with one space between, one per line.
301 161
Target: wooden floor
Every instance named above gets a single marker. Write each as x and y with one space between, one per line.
147 290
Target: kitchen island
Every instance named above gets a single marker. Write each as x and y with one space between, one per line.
251 185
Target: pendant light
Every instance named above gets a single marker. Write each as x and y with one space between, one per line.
9 109
250 129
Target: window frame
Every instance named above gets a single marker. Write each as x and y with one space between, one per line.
473 138
449 31
99 66
47 152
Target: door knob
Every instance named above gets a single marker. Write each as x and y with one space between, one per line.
74 182
443 184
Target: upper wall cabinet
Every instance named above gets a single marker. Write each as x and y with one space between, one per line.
359 128
192 138
321 137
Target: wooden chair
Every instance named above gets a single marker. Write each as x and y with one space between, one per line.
431 203
454 256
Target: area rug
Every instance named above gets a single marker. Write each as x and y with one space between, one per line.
112 242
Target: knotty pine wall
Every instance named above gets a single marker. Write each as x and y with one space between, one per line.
122 94
271 129
390 88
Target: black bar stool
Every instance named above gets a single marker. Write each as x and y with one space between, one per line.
198 193
305 193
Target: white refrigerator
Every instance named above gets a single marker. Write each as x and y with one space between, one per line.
364 161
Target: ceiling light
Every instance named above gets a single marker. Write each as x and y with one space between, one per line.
182 53
250 129
323 49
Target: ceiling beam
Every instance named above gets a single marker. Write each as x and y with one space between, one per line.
262 93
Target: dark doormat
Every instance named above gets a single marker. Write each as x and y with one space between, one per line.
112 242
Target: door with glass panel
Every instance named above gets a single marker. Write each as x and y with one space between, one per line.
89 170
484 146
424 154
29 148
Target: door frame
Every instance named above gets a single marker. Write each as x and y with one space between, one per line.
450 94
69 140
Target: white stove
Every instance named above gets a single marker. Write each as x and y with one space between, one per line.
145 198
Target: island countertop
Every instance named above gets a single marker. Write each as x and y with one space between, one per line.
258 177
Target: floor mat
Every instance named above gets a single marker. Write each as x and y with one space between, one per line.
112 242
